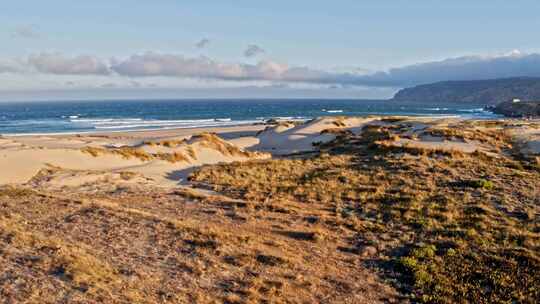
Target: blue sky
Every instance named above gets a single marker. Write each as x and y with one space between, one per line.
326 48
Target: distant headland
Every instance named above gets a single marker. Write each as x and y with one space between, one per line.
490 92
518 108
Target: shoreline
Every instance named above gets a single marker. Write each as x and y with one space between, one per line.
135 132
167 155
265 197
251 123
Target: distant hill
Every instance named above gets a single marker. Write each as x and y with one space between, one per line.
490 92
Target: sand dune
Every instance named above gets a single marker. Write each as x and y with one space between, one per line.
287 138
95 217
18 166
160 161
166 157
529 139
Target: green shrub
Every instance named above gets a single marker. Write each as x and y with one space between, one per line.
481 184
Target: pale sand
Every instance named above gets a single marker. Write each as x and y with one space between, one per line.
529 140
444 145
21 158
287 139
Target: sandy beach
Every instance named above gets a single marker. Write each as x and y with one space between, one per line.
22 157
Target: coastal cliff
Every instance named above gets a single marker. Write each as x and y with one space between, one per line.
490 92
518 109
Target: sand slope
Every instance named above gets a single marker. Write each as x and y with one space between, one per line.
288 138
20 162
167 157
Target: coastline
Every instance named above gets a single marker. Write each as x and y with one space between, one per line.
159 153
86 118
147 132
266 196
248 124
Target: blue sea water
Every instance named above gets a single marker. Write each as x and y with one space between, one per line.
99 116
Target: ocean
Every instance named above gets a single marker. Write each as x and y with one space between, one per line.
100 116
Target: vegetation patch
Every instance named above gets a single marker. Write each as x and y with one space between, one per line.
450 242
130 152
212 141
71 263
480 276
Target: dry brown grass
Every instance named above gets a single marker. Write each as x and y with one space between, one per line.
173 157
339 121
336 131
357 222
16 192
129 152
170 143
154 246
69 262
125 152
460 222
207 140
494 137
94 151
212 141
127 175
191 152
390 146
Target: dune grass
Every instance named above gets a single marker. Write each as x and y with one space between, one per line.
68 262
212 141
207 140
466 226
361 220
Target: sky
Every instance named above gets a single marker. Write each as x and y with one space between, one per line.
60 49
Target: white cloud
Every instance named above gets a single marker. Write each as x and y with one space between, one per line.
167 65
513 64
6 68
253 50
202 43
55 63
150 64
154 64
10 66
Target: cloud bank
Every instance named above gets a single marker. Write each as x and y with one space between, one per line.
60 65
153 64
6 68
514 64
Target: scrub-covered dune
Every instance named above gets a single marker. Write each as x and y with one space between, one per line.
334 210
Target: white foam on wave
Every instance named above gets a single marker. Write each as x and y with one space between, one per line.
139 123
99 120
225 122
436 109
472 110
334 111
151 122
289 118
